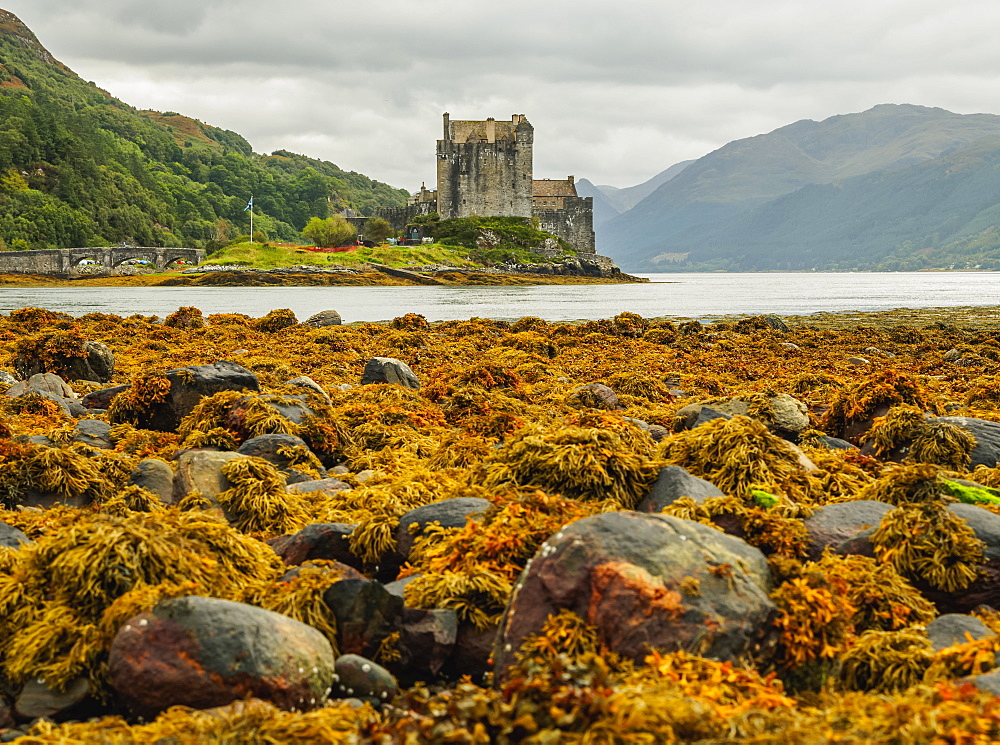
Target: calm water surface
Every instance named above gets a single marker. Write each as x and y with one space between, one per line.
689 295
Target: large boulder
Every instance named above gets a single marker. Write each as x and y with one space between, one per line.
389 370
359 677
204 652
784 414
188 385
672 483
272 448
45 384
448 513
646 581
833 524
323 318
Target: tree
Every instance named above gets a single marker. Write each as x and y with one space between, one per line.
331 232
378 230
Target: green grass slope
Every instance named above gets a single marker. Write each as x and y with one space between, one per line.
78 167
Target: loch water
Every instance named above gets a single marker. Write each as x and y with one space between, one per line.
700 296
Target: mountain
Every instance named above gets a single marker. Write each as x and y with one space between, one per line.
78 167
628 197
843 190
604 208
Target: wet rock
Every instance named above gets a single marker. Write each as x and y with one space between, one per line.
93 432
102 399
323 318
11 537
646 581
596 396
389 370
188 385
329 541
366 613
398 586
327 486
448 513
37 700
45 384
834 443
201 471
833 524
672 483
955 628
473 655
426 641
359 677
343 570
156 476
658 432
204 652
269 448
987 434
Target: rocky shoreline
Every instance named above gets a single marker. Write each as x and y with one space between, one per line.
622 530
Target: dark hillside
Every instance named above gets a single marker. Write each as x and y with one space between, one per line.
79 167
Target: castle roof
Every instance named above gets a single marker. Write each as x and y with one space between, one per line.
553 188
487 130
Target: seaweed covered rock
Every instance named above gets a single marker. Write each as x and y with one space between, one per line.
448 513
646 581
201 471
671 484
986 450
67 354
389 370
327 486
45 384
159 401
833 524
784 414
203 652
277 449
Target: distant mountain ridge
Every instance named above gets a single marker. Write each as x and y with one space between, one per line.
612 200
796 197
79 167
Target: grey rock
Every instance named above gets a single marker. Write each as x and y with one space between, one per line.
833 524
323 318
787 414
426 641
6 378
268 447
155 475
11 537
326 486
201 471
389 370
955 628
597 396
304 381
672 483
93 432
46 384
102 399
37 700
835 443
330 541
366 613
988 682
359 677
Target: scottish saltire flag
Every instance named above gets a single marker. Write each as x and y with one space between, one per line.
249 204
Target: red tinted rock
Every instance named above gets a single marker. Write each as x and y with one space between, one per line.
646 581
205 652
329 541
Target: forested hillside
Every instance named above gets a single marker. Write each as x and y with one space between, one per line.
79 167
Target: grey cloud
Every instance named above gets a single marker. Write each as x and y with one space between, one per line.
616 92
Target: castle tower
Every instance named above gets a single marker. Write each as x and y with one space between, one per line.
485 168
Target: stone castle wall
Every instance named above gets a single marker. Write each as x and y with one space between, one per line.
574 222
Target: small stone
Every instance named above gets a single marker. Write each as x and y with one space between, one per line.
323 318
858 361
11 537
156 476
363 678
389 370
955 628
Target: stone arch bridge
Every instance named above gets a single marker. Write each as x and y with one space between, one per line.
66 261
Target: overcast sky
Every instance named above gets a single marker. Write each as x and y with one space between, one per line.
616 91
